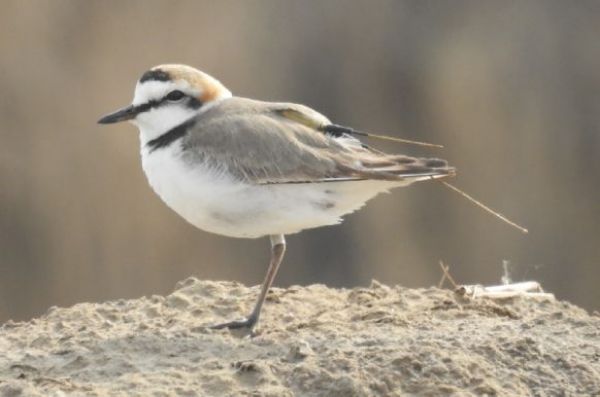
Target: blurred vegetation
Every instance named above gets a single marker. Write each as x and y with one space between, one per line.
512 89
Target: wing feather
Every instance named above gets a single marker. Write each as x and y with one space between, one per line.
270 143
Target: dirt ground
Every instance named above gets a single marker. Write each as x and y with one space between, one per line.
312 341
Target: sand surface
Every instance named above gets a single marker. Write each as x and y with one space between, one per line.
313 341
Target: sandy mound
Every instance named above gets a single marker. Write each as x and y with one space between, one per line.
314 341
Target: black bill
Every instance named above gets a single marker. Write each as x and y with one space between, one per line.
124 114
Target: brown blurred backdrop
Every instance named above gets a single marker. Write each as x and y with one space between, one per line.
512 89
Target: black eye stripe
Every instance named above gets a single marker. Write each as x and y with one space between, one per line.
192 102
152 104
144 107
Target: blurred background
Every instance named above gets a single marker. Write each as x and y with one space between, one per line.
512 89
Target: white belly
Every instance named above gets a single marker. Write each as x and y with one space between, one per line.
215 202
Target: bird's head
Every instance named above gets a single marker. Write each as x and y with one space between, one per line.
167 95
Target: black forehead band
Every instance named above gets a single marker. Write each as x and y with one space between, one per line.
155 75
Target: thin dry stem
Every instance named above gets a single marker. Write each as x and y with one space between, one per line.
486 208
394 139
408 141
446 275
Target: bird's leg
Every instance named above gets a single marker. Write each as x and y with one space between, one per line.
277 252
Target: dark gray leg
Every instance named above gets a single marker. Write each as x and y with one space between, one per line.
277 252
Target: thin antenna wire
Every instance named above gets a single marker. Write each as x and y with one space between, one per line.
394 139
484 207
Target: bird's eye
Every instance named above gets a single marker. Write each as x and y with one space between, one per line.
175 96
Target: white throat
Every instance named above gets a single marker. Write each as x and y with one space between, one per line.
156 122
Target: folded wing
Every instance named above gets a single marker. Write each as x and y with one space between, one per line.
273 143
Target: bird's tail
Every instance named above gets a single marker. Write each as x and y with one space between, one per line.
402 168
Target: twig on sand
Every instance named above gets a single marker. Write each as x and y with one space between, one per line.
531 289
446 275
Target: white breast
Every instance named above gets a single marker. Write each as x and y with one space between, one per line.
214 201
196 192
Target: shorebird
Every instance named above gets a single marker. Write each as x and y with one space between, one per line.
245 168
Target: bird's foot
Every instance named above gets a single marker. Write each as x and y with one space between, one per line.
244 326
